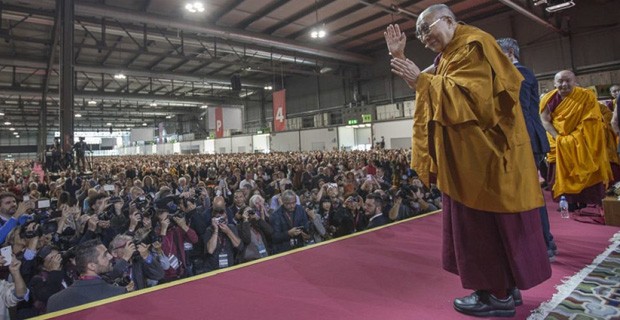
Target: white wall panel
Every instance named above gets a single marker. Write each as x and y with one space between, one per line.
223 145
260 142
393 130
319 139
346 138
209 146
285 141
363 136
241 144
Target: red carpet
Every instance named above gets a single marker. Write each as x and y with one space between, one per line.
392 273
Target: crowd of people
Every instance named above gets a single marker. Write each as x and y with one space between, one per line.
139 221
480 132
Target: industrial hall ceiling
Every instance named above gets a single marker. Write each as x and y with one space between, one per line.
176 58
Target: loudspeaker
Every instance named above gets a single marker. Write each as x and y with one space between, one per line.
235 82
110 129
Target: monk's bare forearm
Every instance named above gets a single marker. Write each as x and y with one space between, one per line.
545 118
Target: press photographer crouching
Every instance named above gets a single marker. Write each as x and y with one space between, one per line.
92 260
133 264
195 217
290 224
255 232
222 241
176 235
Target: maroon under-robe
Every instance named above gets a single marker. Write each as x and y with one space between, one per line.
493 251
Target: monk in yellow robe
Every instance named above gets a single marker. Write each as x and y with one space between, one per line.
469 131
611 143
578 161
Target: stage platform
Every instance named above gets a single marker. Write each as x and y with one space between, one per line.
389 273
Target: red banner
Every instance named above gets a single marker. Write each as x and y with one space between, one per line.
219 123
279 110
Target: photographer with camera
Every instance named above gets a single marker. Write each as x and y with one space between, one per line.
132 263
92 261
175 235
254 231
196 220
49 280
239 201
290 224
222 241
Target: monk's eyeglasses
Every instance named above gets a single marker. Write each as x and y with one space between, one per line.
424 29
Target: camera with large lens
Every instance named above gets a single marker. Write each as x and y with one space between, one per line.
141 203
404 192
28 233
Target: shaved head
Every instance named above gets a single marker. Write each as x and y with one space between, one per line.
565 81
437 10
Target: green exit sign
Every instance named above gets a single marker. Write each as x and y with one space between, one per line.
353 121
367 118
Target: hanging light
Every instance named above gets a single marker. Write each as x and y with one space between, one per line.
120 76
12 129
7 123
194 7
109 124
153 104
92 102
77 115
318 32
204 106
268 88
144 124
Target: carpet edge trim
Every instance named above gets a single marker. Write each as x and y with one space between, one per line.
570 283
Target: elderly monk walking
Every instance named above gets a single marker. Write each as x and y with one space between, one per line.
578 161
469 131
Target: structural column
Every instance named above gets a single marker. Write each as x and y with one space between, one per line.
66 75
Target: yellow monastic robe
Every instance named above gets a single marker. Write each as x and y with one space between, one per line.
579 151
469 129
610 135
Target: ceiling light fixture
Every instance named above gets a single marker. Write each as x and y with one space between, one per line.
204 106
144 124
168 117
7 123
268 88
120 76
1 114
77 115
153 104
108 124
16 133
92 102
557 5
317 32
17 136
194 7
12 129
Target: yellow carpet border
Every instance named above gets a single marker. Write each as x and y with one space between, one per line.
215 272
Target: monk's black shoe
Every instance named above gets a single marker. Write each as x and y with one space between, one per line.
483 304
516 296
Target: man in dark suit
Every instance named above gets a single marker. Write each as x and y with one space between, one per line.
530 100
92 260
373 208
290 224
